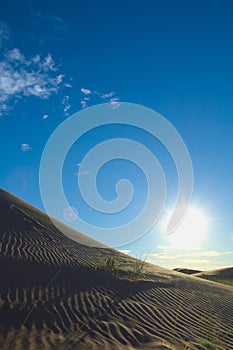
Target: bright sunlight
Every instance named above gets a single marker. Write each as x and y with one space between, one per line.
192 230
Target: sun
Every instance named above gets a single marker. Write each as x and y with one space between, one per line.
192 230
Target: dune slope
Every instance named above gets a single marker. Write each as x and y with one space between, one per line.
224 275
59 294
187 271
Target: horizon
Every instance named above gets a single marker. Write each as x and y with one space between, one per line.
174 58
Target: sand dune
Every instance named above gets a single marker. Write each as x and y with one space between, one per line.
224 272
224 275
187 271
59 294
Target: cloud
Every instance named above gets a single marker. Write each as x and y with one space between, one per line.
91 96
15 55
68 85
86 91
187 262
66 105
114 102
107 95
25 147
125 251
111 98
85 101
162 256
21 77
213 253
47 64
45 116
186 258
66 110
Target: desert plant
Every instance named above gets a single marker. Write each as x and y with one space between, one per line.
110 264
209 346
137 269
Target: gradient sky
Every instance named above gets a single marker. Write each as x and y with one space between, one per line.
172 56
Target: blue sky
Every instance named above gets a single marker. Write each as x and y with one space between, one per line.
172 56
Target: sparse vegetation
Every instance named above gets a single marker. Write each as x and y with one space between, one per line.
110 264
134 272
130 272
137 270
209 346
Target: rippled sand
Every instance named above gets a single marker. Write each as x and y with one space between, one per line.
58 294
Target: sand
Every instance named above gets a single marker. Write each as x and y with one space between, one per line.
226 272
187 271
59 294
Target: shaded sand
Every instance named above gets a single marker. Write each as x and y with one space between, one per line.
58 294
187 271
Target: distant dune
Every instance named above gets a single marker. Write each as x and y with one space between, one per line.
187 271
224 276
64 295
226 272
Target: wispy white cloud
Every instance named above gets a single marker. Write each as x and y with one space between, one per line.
107 95
125 251
86 91
15 55
85 101
115 102
45 116
47 64
25 147
197 262
3 107
90 96
111 98
66 105
83 104
66 110
212 254
68 85
162 256
21 77
187 258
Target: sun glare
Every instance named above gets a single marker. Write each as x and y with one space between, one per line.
192 230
